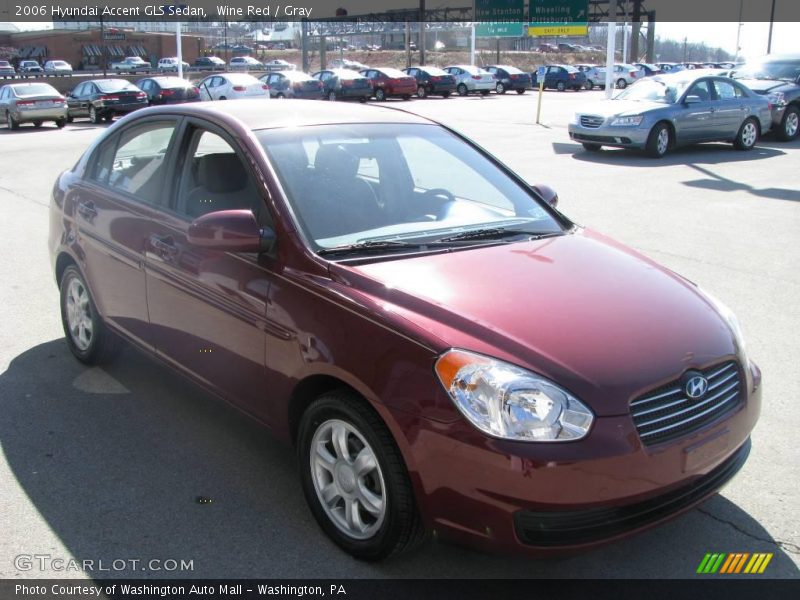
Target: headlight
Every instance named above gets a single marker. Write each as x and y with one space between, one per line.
777 98
627 121
508 402
727 314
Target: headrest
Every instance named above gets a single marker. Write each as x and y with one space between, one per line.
221 173
335 162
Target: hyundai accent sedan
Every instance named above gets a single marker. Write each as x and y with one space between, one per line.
446 350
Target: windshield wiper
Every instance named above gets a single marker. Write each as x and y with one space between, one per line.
491 233
368 247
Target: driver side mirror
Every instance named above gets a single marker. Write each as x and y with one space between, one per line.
231 231
692 100
547 193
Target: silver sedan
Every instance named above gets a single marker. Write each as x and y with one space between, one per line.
32 103
665 111
470 78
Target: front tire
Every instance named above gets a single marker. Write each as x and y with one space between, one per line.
561 86
354 478
12 123
331 96
422 93
591 147
380 95
659 141
520 91
748 135
790 124
89 340
94 116
60 123
500 88
589 85
621 83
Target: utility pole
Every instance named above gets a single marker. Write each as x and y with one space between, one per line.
684 48
771 23
738 32
179 48
422 32
611 47
103 46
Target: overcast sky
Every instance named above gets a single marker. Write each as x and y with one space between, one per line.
753 40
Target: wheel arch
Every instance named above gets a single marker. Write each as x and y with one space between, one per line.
64 260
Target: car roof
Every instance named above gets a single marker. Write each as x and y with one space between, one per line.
252 114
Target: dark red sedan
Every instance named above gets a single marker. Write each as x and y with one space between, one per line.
389 83
446 350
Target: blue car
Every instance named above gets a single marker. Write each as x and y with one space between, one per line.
562 78
509 79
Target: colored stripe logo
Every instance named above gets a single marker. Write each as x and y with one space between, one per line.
734 563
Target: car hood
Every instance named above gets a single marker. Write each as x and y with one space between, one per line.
587 312
611 108
765 86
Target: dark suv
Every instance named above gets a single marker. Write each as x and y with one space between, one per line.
776 76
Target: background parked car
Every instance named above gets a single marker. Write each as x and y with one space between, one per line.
344 63
388 83
132 64
545 47
29 68
168 90
7 70
100 99
232 86
564 47
432 81
58 68
245 63
592 74
293 84
279 65
470 78
32 103
647 69
344 84
561 78
209 63
623 75
509 78
170 64
777 77
666 111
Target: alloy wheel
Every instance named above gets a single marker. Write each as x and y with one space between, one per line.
79 314
347 478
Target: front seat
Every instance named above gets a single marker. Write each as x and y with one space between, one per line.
343 203
222 184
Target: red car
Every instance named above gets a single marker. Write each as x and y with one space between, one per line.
446 350
387 83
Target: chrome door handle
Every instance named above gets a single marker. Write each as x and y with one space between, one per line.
87 210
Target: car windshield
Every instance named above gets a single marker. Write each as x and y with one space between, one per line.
769 70
35 89
4 63
114 85
409 183
655 90
60 63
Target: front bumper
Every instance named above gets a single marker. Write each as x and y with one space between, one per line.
620 137
545 499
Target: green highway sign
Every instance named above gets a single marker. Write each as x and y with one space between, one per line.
500 10
559 11
496 30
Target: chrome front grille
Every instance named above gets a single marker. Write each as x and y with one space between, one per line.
591 121
668 413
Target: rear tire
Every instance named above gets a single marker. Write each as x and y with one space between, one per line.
331 96
12 123
60 123
591 147
621 83
589 85
520 91
37 124
500 88
94 116
445 94
89 340
70 119
659 141
462 89
421 92
790 124
380 95
561 86
485 92
747 136
393 525
407 97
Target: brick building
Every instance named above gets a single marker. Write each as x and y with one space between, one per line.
86 49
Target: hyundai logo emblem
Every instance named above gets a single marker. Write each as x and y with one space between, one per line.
696 387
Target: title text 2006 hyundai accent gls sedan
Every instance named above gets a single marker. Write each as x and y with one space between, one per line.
445 349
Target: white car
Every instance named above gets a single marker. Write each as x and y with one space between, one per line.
279 65
245 63
166 65
470 78
132 64
623 75
232 86
57 68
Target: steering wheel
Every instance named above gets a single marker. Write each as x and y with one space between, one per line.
450 199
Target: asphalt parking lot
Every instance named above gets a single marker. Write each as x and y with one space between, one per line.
105 464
